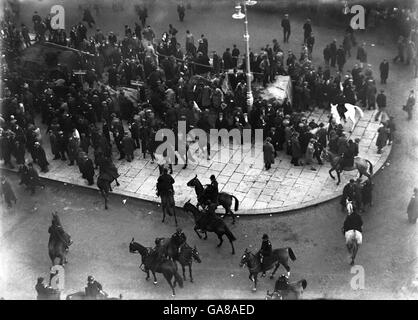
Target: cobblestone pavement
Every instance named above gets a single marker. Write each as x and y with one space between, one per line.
282 188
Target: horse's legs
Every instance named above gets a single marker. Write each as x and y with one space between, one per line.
168 278
330 173
286 266
255 283
220 240
147 272
117 182
275 269
190 272
232 246
198 234
206 235
184 272
339 177
155 278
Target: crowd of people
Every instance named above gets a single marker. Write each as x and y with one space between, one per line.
170 85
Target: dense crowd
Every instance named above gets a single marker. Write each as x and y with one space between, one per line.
171 83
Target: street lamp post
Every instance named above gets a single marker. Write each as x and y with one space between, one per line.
239 15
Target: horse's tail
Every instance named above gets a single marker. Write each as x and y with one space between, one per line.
229 234
371 167
360 111
304 283
236 203
179 279
291 254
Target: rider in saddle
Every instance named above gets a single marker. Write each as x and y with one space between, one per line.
165 183
156 253
349 192
341 107
179 239
94 289
347 159
265 251
64 237
212 190
282 283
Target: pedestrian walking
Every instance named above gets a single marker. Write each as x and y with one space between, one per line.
381 104
286 28
7 192
412 209
410 103
268 153
384 71
382 137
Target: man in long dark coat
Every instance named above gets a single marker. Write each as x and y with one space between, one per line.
40 157
128 145
88 170
268 153
7 191
384 71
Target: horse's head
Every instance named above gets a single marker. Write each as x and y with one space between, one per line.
349 206
334 114
193 182
195 255
245 258
133 248
55 219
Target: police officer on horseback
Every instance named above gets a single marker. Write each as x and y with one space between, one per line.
349 192
212 190
265 251
94 289
64 237
179 239
165 183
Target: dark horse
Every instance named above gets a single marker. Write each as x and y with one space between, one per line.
291 291
277 257
185 257
209 223
166 267
360 164
58 242
224 199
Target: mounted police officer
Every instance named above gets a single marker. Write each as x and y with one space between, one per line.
179 239
94 289
265 251
353 227
212 190
348 193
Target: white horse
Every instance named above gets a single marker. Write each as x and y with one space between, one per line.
349 114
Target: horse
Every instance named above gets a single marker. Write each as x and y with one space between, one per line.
277 257
353 243
363 166
185 258
224 199
58 240
292 290
209 223
350 113
167 267
168 204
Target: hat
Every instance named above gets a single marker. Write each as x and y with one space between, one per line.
268 139
212 177
265 236
351 180
179 230
90 278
